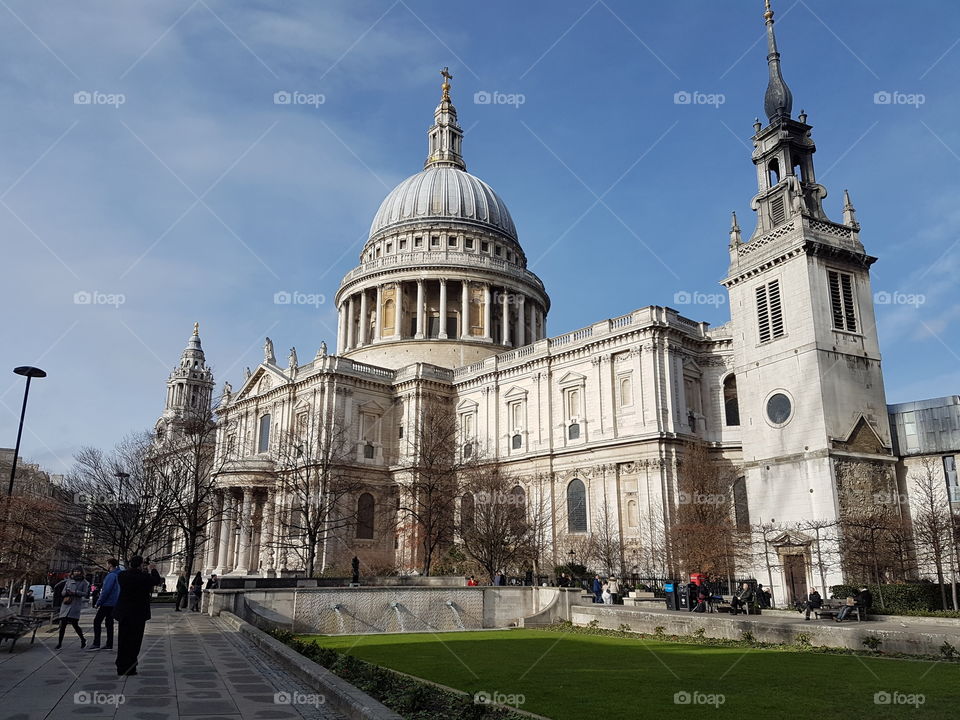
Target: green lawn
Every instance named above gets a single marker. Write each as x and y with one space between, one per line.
573 676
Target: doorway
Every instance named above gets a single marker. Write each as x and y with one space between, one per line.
795 577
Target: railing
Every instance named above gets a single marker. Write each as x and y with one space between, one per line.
441 257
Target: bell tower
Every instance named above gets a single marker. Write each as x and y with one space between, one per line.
189 388
807 358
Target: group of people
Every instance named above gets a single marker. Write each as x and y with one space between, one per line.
863 600
193 592
606 591
124 596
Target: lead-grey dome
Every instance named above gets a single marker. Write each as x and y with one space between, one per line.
443 194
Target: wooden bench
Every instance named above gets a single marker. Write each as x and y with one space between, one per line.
833 611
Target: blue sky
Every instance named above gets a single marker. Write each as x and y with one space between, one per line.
198 197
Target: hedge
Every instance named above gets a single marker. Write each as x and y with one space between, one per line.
903 597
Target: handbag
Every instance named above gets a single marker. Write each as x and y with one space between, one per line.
67 600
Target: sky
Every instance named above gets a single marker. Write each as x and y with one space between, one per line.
152 176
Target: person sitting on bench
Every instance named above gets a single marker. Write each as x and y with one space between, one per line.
814 602
742 599
863 601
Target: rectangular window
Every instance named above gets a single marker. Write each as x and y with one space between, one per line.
389 248
497 250
468 243
418 242
263 441
516 416
625 390
403 244
485 246
777 213
302 424
769 312
451 242
435 241
842 304
573 404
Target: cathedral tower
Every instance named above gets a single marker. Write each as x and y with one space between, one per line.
189 388
807 358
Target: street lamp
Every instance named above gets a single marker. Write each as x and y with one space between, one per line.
29 373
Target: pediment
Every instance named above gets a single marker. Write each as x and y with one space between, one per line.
251 387
515 393
371 407
572 378
467 406
863 438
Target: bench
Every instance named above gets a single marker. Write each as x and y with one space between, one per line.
14 628
832 611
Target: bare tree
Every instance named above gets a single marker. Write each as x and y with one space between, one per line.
319 489
30 535
825 554
126 504
931 520
608 544
432 483
497 533
702 534
183 462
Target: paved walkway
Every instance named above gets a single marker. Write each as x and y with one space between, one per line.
191 666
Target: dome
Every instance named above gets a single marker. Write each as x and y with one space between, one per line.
443 193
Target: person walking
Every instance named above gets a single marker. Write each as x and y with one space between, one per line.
181 591
75 589
131 613
109 592
155 574
196 592
614 586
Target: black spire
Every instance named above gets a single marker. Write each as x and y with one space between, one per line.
778 100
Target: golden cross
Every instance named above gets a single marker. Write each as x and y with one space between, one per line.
446 73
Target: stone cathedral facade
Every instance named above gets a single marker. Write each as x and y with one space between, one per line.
592 423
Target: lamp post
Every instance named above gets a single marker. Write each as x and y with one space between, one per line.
121 476
29 373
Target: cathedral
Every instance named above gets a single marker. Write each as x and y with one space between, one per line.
592 423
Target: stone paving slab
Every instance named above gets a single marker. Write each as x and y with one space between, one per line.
191 666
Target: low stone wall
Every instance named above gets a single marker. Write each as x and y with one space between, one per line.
359 610
921 639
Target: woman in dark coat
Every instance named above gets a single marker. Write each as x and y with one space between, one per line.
196 592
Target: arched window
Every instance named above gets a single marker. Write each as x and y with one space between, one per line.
773 172
633 517
576 506
573 432
263 442
468 513
365 507
731 405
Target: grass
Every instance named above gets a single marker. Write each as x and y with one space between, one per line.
572 676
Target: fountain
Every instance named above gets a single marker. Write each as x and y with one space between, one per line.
396 609
456 614
337 608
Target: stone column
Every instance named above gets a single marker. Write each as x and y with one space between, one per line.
505 309
465 310
243 557
364 320
341 335
378 320
266 536
420 310
443 309
533 322
487 335
543 323
213 533
398 320
278 535
521 320
350 309
226 532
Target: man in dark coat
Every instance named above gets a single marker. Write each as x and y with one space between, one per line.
131 613
814 602
181 592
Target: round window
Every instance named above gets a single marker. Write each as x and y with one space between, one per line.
779 408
